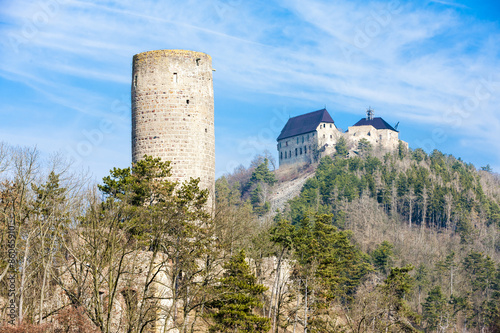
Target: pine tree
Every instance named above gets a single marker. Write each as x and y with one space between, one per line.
381 256
434 308
341 148
237 297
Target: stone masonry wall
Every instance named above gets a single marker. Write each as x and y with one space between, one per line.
385 138
302 147
173 112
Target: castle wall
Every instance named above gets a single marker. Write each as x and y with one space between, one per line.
385 138
173 112
297 149
305 148
328 135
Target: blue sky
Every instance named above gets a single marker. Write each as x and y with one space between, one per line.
433 66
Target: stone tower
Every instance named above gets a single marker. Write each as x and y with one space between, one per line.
173 112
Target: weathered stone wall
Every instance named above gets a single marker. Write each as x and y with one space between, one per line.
304 147
297 149
328 135
384 138
173 112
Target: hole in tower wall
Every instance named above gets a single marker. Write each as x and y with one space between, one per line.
175 77
187 101
135 81
198 62
206 130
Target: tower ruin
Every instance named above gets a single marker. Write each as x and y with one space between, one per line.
173 112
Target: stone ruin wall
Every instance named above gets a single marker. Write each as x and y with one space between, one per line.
383 138
173 112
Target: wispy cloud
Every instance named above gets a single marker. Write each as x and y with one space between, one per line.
418 63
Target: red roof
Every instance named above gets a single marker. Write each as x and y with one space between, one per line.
305 123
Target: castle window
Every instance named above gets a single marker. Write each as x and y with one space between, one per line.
324 136
198 62
330 125
285 154
135 81
187 101
281 156
287 143
175 77
290 154
331 136
307 136
300 150
305 149
296 151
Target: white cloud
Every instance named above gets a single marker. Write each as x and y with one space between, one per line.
412 62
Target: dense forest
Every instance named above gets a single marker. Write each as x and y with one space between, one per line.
377 242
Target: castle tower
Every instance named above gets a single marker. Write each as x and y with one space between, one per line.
173 112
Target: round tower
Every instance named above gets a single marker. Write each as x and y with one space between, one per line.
173 112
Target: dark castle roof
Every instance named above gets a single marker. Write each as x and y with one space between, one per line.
377 122
305 123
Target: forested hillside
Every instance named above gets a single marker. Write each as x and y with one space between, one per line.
401 242
425 234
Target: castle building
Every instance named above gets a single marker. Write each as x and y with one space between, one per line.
304 138
308 137
375 130
173 113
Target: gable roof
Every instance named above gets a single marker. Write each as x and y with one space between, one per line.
305 123
376 122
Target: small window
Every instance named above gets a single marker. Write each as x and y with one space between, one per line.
206 130
175 77
331 136
305 149
296 152
135 81
300 150
285 154
307 136
187 101
287 143
324 136
281 156
330 125
290 154
198 62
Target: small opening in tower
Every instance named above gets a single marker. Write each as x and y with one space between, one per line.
198 61
175 77
187 101
206 130
135 81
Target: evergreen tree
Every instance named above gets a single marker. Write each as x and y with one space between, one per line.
434 308
381 256
341 147
236 299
